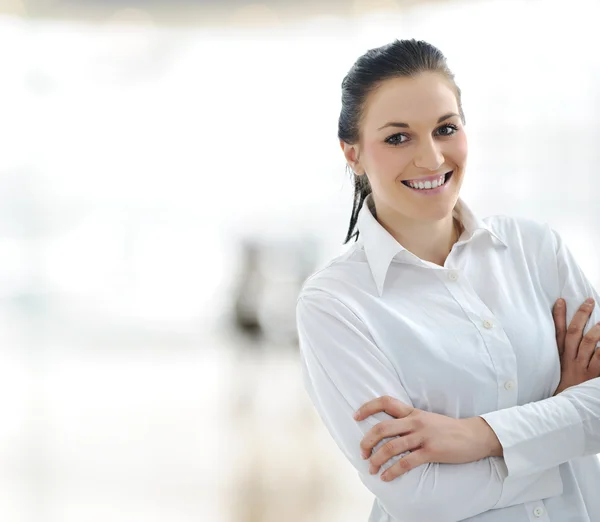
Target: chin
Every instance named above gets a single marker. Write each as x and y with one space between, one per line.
438 214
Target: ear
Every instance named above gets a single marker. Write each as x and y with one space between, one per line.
351 153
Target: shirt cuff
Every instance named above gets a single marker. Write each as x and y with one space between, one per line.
539 435
530 488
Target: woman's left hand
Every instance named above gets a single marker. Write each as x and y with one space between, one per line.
430 437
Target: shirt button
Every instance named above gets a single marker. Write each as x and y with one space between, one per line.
509 385
538 512
488 324
453 276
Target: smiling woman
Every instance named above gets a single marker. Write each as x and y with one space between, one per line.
427 143
432 349
407 143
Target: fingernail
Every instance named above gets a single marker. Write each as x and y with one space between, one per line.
355 415
560 303
589 301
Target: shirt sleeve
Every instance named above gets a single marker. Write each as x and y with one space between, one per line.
342 369
547 433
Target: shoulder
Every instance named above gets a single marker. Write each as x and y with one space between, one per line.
522 233
339 279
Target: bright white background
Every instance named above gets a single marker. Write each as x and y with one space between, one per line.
134 158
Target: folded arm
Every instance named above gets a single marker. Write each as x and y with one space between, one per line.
544 434
343 369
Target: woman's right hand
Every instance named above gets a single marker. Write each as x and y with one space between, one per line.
579 361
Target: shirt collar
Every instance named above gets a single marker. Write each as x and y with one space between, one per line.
380 246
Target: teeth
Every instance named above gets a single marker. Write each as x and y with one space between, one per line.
427 185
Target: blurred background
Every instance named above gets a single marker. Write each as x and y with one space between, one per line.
170 175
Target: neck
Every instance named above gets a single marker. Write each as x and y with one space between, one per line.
431 241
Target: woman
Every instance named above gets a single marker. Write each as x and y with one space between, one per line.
442 327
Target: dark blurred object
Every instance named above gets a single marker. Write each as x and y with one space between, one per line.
270 278
249 292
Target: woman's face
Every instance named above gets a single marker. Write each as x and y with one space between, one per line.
412 147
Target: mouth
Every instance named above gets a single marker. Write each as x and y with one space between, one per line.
431 184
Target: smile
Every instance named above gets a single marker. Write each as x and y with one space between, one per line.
430 183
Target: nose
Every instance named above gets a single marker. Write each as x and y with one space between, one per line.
428 155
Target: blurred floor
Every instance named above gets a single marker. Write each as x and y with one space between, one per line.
212 430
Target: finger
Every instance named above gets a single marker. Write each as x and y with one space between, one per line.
576 327
405 464
559 313
387 404
380 431
396 446
588 343
594 366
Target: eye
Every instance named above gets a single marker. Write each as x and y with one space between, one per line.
396 139
447 130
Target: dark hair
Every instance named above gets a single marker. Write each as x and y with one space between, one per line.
397 59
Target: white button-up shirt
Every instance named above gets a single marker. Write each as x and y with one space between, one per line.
472 338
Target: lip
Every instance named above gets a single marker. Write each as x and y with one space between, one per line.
432 192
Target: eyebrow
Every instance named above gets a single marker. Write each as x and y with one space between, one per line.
406 126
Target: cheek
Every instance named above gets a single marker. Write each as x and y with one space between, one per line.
385 161
459 149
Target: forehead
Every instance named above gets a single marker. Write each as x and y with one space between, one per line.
419 100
